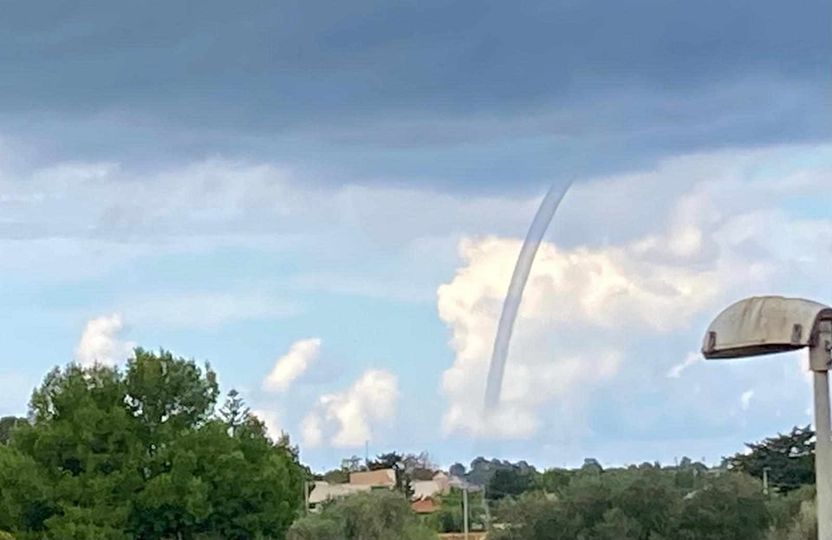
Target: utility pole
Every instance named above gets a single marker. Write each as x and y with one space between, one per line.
774 324
765 481
305 496
820 358
465 511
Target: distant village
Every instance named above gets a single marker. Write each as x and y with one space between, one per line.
423 482
423 497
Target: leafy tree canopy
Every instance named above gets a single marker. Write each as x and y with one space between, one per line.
509 483
638 504
7 425
381 515
449 517
140 453
787 458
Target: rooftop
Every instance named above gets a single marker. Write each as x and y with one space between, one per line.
379 478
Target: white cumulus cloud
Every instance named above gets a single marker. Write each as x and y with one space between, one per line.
101 342
588 307
292 365
271 419
470 305
348 419
311 432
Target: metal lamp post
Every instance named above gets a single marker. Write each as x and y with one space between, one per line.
773 324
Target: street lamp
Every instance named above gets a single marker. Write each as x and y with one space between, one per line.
773 324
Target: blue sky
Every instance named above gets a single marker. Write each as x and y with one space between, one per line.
334 194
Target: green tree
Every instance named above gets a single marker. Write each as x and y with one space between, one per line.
481 470
729 507
788 458
593 466
617 525
449 516
141 454
803 526
535 516
638 504
509 483
588 498
25 499
784 508
7 425
553 480
648 499
234 412
458 470
168 395
353 464
84 444
316 528
367 516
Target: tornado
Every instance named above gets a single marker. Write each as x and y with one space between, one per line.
511 305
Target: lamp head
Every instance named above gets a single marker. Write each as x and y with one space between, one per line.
763 325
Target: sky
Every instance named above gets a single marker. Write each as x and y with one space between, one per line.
325 202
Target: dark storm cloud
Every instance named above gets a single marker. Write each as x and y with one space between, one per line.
428 90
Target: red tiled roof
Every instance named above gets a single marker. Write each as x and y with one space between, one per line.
424 506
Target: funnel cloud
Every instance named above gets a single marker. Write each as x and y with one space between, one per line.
511 306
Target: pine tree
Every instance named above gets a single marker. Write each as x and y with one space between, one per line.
234 412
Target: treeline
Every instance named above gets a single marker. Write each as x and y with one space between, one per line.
147 452
686 501
646 502
515 501
651 503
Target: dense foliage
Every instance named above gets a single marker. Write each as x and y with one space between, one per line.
638 504
651 502
383 515
141 453
7 425
787 458
449 516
